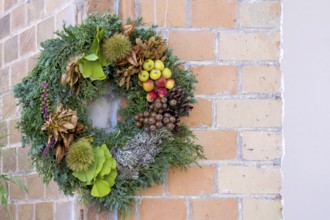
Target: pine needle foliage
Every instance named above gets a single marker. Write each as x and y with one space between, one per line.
56 56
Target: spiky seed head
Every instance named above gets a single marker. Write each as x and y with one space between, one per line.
116 47
80 156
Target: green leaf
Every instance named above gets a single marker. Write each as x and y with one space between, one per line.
108 161
93 70
91 57
86 176
100 188
111 178
114 164
99 159
95 48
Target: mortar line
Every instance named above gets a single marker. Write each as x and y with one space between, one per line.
240 209
238 15
216 46
227 30
117 7
214 113
274 196
239 146
137 208
244 163
240 79
246 96
189 211
136 8
189 14
216 177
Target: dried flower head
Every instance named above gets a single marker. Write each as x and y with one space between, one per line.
116 47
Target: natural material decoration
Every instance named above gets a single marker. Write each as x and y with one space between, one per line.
107 168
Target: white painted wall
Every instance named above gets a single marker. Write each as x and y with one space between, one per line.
306 69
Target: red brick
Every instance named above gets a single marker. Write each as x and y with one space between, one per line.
201 115
155 190
9 160
53 191
5 215
101 6
52 5
44 211
170 13
16 191
215 13
192 45
18 71
193 181
14 134
216 80
218 145
24 162
25 212
214 209
163 209
9 105
35 186
66 16
126 9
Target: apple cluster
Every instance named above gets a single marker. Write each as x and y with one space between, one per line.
156 79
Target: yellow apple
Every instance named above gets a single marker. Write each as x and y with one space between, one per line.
155 74
148 65
167 73
143 76
169 84
159 65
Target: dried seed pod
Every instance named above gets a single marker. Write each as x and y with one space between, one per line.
146 114
139 124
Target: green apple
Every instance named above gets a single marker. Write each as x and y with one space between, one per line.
167 73
148 65
155 74
159 65
143 76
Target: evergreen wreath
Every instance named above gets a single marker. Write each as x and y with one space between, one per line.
107 168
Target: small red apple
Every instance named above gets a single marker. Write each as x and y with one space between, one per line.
162 92
169 84
148 85
161 82
152 96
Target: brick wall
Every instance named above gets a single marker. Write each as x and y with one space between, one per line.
233 46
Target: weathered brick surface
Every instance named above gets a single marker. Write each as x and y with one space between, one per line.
45 30
53 191
25 212
27 40
14 134
18 18
11 49
216 13
127 9
9 160
249 113
9 105
35 10
236 179
261 145
192 45
249 46
16 191
4 80
153 191
171 13
101 6
65 16
201 115
18 71
24 162
52 6
257 209
64 210
214 209
5 26
260 14
218 145
261 79
216 79
163 209
35 186
44 211
193 181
